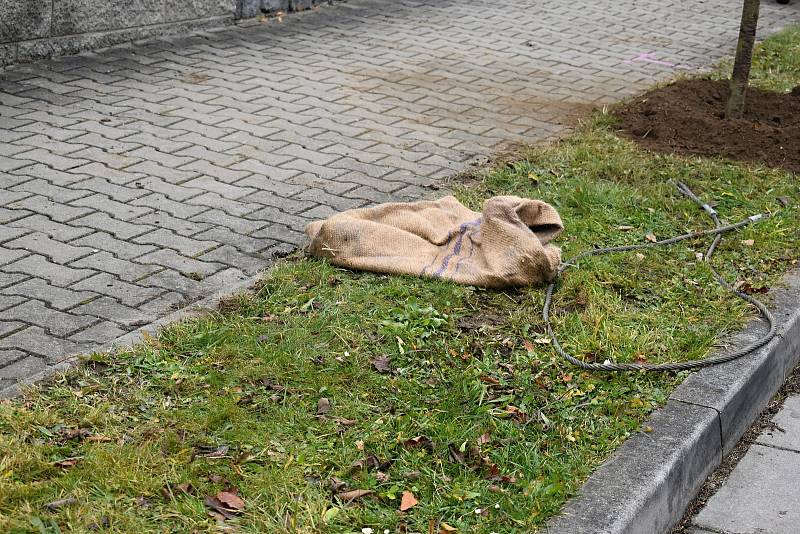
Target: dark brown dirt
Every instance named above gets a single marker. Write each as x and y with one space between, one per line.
688 117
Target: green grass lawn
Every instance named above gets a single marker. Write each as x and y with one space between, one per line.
323 382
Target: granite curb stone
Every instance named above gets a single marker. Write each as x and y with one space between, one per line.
645 486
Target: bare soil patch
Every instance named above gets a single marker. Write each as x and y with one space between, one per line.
688 117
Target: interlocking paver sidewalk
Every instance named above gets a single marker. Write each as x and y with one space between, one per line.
761 495
140 178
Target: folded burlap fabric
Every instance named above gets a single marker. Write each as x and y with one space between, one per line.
506 245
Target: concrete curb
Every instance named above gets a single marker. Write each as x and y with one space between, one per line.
647 483
201 307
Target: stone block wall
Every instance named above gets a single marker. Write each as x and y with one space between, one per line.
33 29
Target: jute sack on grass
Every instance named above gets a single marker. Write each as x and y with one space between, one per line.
506 245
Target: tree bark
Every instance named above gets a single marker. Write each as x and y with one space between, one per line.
744 57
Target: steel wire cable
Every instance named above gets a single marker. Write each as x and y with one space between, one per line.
718 231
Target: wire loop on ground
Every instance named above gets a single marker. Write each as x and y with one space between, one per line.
718 231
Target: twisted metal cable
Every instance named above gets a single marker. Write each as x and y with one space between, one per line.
718 231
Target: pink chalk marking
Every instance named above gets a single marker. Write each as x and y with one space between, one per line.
649 57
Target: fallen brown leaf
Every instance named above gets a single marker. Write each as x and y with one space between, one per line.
407 501
219 452
651 237
343 422
352 495
231 500
382 364
323 406
456 456
336 484
419 442
60 503
217 506
66 463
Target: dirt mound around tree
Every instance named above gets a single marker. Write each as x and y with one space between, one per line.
688 117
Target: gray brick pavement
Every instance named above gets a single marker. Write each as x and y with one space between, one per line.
138 179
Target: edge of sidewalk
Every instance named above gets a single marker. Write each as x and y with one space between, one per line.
645 486
205 305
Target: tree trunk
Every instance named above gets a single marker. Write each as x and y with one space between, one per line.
744 57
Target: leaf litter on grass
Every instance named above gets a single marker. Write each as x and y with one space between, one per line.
468 410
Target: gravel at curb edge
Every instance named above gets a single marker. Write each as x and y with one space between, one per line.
647 483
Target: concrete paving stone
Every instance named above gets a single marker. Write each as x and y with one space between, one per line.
221 187
184 245
39 266
53 209
119 248
24 367
8 300
61 163
237 224
105 262
153 184
228 255
7 233
290 205
243 243
235 208
110 309
174 280
183 264
8 327
58 298
117 192
35 340
56 251
163 204
119 210
47 189
283 233
208 137
112 146
104 222
56 230
164 145
110 285
761 495
336 202
217 158
103 332
56 322
181 227
51 145
163 158
167 302
786 432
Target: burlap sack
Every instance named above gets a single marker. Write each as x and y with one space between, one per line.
507 245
